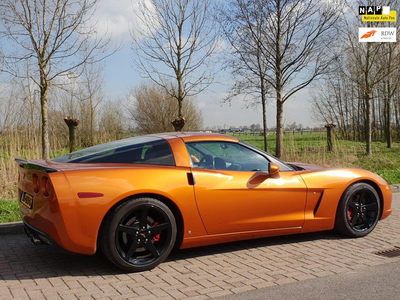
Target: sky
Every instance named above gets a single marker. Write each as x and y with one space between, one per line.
117 17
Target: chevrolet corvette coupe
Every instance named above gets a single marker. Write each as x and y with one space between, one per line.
136 199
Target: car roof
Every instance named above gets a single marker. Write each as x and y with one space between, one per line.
197 136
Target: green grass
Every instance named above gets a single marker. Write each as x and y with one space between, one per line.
9 211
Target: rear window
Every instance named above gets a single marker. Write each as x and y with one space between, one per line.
136 150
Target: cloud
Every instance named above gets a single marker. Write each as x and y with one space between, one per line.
202 104
116 18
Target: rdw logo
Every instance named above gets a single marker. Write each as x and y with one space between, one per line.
377 34
368 34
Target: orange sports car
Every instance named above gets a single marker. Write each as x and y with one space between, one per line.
136 199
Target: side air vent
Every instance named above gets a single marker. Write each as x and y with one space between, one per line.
318 203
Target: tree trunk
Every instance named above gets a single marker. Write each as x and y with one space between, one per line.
44 115
388 116
91 120
367 97
397 118
279 128
179 122
264 112
279 93
72 124
368 121
374 133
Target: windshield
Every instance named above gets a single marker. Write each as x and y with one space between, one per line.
282 165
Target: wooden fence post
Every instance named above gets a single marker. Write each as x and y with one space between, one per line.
329 135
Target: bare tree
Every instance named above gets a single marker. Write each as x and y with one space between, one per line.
152 109
111 124
10 107
334 100
175 47
360 94
244 31
363 56
49 34
367 71
92 83
390 84
293 42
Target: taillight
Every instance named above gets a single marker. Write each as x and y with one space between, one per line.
45 186
35 181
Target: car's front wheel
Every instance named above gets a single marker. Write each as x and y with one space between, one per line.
138 234
358 211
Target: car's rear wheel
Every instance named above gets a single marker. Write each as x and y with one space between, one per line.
138 234
358 211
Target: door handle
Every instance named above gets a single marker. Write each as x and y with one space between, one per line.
190 178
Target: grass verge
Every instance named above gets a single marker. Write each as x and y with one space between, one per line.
9 211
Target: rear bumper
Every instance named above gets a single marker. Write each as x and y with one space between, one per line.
38 237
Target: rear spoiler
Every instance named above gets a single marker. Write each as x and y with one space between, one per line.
23 163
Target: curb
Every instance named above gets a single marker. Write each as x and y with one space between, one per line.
12 228
18 227
395 188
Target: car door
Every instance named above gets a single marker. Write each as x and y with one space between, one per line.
235 193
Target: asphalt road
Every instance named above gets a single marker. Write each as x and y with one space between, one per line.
378 282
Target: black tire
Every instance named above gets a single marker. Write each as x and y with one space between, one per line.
138 234
358 211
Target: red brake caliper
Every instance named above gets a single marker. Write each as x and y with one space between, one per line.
156 237
350 213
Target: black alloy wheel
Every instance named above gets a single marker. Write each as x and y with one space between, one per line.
358 211
139 234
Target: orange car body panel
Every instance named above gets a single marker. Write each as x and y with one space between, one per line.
232 201
327 187
221 206
78 219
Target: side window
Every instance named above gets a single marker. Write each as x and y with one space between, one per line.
159 153
154 152
134 150
225 156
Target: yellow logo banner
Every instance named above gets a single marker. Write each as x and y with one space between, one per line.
380 18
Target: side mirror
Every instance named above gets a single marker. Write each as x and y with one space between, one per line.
273 169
